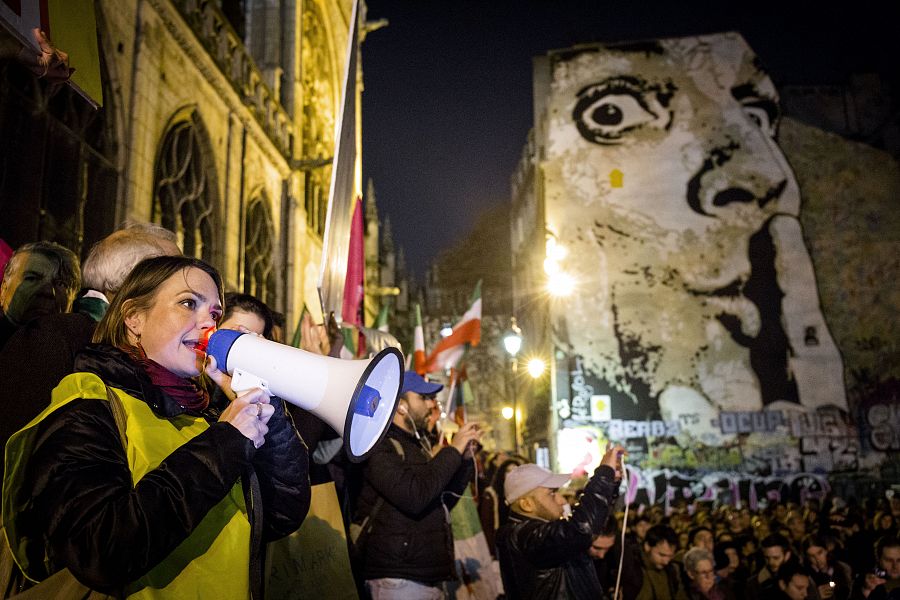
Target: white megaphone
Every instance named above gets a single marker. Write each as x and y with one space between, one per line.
357 398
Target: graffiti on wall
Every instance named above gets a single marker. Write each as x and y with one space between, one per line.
697 335
666 487
665 474
663 177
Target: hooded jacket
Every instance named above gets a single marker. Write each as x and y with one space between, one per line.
549 559
76 504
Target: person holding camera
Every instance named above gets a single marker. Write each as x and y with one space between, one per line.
882 582
543 555
403 543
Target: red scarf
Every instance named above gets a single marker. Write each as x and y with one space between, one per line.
184 391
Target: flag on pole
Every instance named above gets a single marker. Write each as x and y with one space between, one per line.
460 395
447 352
342 190
381 321
350 347
351 313
477 575
356 264
419 344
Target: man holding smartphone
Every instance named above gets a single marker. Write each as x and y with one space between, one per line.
542 555
883 582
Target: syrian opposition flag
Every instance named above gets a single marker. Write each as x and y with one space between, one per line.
419 344
448 351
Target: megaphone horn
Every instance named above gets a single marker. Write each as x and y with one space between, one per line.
357 398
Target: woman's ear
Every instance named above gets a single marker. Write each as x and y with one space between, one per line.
134 321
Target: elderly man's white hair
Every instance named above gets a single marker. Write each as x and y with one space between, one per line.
112 258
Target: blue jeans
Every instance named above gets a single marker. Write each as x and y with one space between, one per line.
392 588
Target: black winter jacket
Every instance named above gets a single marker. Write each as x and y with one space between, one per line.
109 532
411 536
549 559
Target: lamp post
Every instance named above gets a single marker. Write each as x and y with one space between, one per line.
512 342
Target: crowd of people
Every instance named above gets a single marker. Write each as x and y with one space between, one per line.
820 549
133 469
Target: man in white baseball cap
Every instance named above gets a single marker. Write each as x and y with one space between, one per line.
528 478
543 555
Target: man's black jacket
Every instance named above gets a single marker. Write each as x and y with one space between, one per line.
549 559
411 536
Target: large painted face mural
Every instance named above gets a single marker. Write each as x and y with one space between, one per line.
696 293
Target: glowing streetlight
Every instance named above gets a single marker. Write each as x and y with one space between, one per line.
560 284
507 412
512 341
536 367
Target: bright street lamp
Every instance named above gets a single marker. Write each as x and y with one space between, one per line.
536 367
507 412
512 341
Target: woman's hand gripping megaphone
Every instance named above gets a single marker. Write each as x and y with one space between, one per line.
249 411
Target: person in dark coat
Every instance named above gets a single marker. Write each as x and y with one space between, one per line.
542 555
406 545
42 351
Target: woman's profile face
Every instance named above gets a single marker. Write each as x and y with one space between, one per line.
185 308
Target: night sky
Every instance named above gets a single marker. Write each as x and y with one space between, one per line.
447 100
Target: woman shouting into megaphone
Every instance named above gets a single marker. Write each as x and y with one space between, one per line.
128 483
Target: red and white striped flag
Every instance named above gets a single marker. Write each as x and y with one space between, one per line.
419 344
448 351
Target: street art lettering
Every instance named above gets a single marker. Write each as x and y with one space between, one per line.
750 422
620 430
581 394
666 487
884 426
698 295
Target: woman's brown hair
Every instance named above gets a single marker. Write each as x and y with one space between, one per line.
138 293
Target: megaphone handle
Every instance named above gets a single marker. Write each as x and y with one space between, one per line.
241 381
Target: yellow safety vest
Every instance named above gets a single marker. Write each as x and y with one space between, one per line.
213 562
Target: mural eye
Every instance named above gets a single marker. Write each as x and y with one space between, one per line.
604 114
759 108
760 116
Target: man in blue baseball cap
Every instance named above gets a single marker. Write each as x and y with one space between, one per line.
417 402
406 490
